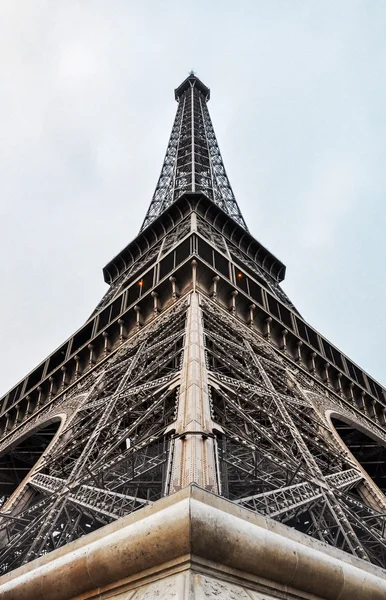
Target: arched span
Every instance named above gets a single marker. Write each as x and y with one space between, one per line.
18 460
367 449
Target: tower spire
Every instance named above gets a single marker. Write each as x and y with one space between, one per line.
193 161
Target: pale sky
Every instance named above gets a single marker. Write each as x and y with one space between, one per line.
298 99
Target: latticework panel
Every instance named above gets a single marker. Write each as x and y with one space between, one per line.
195 394
277 454
111 456
193 161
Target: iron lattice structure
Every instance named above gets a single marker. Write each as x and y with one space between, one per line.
193 160
194 367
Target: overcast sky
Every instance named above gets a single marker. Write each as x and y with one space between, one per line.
298 100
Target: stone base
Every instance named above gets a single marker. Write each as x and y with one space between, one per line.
195 545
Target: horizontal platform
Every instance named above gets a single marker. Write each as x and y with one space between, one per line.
194 544
192 80
174 214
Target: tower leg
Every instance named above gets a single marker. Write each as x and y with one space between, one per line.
194 455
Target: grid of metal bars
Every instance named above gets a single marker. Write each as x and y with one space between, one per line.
193 161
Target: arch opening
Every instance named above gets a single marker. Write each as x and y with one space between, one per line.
370 453
18 461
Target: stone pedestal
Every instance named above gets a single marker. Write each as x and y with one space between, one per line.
195 545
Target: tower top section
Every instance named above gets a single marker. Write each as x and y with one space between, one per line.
193 161
190 82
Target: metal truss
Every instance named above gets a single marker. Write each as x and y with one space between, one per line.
193 161
218 187
135 268
286 502
111 458
276 454
266 446
225 246
164 192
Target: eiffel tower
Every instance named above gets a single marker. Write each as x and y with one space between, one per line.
195 367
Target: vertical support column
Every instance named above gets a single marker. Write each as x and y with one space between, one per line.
339 382
39 400
213 293
375 413
154 295
64 382
51 390
351 392
234 295
298 357
252 308
91 360
122 330
194 452
137 310
364 404
267 332
77 367
313 356
174 287
326 374
106 347
283 343
193 150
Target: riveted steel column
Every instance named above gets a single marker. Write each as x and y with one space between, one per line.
194 455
